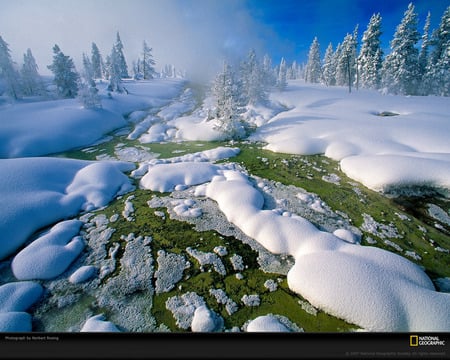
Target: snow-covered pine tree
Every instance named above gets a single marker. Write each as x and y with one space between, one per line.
438 70
115 71
401 72
88 92
313 72
253 87
281 79
97 61
121 57
269 78
148 64
329 70
228 109
31 80
370 59
8 74
346 66
66 76
107 68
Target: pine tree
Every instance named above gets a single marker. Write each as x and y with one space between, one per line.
31 80
438 70
281 79
66 77
370 58
329 70
148 64
346 65
313 72
8 73
115 71
269 78
121 58
88 92
401 73
228 108
97 62
253 88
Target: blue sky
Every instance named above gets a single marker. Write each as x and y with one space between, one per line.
196 35
298 21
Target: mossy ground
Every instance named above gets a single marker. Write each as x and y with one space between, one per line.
302 171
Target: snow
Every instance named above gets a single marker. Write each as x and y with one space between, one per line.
83 274
206 320
37 192
98 323
266 323
51 254
15 299
165 177
384 153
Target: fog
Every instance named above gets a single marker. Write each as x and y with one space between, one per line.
194 35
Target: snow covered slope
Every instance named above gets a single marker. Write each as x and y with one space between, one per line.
383 152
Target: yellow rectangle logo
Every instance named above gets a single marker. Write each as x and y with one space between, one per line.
413 340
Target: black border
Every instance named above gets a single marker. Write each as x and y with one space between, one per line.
359 345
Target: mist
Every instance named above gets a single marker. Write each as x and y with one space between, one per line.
194 35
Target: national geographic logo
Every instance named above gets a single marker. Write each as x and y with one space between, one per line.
415 340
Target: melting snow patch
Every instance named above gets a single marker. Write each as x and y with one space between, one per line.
378 229
170 270
208 259
271 285
251 300
332 178
183 308
206 320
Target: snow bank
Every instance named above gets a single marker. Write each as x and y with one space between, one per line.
83 274
266 323
37 192
381 152
98 323
165 177
373 288
15 298
206 320
40 128
51 254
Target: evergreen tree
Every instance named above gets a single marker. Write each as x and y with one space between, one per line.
346 66
31 80
253 88
329 70
88 92
281 79
148 64
313 72
66 77
228 108
438 70
401 73
269 77
97 62
8 73
121 57
370 60
115 71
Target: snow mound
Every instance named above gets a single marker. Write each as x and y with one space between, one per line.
51 254
392 173
206 320
381 152
83 274
266 323
41 191
373 288
98 323
15 322
19 296
165 177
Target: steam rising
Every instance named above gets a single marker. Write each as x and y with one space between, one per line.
193 35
